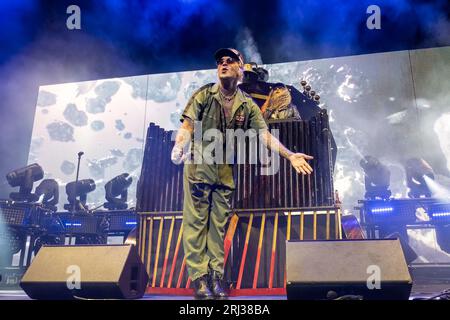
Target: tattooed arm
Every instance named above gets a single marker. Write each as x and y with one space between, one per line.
183 138
298 160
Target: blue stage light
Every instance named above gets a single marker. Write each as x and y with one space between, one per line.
70 224
441 214
382 210
439 211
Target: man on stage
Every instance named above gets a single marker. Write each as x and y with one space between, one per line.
208 187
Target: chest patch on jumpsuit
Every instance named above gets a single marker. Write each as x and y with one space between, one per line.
240 118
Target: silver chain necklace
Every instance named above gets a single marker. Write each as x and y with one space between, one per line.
227 98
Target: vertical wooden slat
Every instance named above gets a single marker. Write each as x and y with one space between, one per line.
244 253
314 225
156 183
288 237
336 225
142 236
274 248
258 256
229 237
158 246
175 256
180 276
328 225
302 224
166 256
188 283
288 228
139 237
149 252
163 171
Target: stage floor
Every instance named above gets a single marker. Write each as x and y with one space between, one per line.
419 291
20 295
428 281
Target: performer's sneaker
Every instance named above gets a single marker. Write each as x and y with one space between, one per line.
215 285
201 288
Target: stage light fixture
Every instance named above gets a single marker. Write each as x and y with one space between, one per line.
75 190
390 212
49 188
116 192
24 179
263 74
250 74
253 73
376 178
416 170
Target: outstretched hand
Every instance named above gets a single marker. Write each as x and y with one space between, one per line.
298 161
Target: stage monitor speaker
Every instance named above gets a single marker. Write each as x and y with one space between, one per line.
86 272
347 269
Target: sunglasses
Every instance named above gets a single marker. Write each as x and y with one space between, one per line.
227 60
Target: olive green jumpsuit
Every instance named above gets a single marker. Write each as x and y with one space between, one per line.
208 187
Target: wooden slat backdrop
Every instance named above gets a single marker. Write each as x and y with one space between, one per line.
254 247
160 187
268 210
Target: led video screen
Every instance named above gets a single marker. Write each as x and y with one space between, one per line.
392 106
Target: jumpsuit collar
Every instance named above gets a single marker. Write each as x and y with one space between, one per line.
238 100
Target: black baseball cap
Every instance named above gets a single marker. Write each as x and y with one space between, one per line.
230 52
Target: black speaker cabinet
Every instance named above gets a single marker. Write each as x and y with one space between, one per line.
86 271
347 269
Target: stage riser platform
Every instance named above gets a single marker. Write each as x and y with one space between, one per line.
255 248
